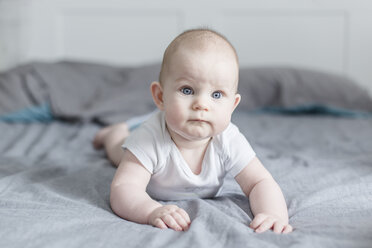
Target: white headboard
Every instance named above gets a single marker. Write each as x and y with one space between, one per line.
331 35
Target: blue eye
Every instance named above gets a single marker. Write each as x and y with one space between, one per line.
216 95
187 91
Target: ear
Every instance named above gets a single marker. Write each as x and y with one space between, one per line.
237 100
157 94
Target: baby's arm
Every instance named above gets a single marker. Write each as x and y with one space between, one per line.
265 197
130 201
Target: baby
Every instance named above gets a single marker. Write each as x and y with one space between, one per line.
184 150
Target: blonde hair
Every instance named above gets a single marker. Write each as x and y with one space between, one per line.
200 37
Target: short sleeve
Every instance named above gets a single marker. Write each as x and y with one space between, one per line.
144 143
238 151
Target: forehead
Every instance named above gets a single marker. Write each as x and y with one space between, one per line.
207 64
201 41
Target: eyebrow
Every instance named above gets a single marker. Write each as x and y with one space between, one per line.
221 88
185 79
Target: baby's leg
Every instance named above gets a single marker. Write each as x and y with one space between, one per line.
111 138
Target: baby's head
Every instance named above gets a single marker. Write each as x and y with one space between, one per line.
197 86
198 40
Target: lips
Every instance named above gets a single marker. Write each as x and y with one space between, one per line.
198 120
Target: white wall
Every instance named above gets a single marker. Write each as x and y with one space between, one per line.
329 35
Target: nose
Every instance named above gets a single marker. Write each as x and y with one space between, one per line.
200 103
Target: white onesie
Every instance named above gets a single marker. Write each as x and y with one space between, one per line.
172 178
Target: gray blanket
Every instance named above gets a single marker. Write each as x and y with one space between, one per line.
55 187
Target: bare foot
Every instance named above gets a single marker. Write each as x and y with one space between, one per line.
99 137
117 130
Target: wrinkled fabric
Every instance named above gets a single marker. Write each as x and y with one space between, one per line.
55 188
87 92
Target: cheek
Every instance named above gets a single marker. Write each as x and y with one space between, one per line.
174 112
223 122
223 117
173 106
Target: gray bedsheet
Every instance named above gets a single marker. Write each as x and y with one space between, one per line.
54 188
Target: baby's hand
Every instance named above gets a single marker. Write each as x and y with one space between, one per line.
263 222
170 216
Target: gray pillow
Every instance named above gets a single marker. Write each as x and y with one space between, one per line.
102 93
79 91
107 94
292 87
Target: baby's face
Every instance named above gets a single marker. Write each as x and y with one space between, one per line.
199 92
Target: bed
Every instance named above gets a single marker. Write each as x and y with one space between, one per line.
311 129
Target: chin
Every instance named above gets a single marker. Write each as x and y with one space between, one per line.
196 137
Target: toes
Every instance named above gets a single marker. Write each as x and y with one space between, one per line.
98 138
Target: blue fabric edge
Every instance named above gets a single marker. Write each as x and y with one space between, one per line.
39 113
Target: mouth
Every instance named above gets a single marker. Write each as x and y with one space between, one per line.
197 120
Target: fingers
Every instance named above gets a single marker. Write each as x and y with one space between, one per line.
181 221
278 227
176 221
265 225
184 215
160 224
258 219
288 229
264 222
170 216
171 222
